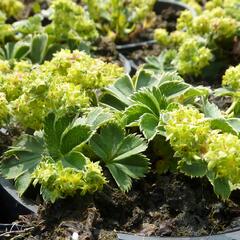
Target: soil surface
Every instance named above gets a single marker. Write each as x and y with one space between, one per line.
167 205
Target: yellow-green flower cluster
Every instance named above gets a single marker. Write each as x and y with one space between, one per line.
196 144
11 8
27 26
197 39
187 130
59 182
6 30
173 39
210 5
231 7
217 24
185 21
194 4
70 21
161 36
193 57
223 156
13 78
4 111
60 85
79 68
231 78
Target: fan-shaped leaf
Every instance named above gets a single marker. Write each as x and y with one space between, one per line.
148 125
21 160
121 154
73 137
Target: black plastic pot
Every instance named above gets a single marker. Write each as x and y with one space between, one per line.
158 8
231 235
12 205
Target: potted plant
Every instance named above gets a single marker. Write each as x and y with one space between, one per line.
106 155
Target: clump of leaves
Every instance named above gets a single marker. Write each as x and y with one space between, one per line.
57 159
121 19
145 100
27 26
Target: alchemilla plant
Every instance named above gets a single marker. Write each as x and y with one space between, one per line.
202 42
64 84
119 19
84 125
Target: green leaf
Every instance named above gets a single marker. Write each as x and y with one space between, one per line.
73 137
38 48
53 130
121 154
111 101
231 125
51 50
171 76
148 125
123 88
22 182
63 135
190 95
150 101
174 88
237 110
9 49
74 160
235 124
144 79
197 168
134 113
120 91
119 95
96 117
224 92
21 160
21 50
222 187
154 63
132 167
211 110
153 99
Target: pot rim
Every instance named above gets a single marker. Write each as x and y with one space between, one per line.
233 234
11 191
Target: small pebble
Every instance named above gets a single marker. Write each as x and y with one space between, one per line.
75 236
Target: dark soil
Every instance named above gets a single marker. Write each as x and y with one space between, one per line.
167 205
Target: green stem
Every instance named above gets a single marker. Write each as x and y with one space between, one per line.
231 108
